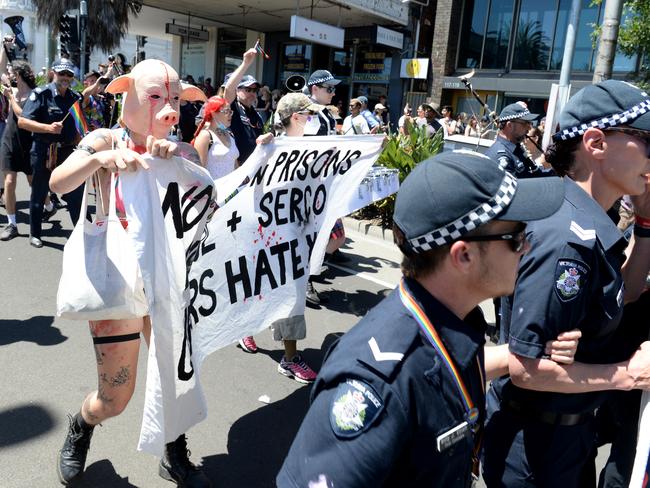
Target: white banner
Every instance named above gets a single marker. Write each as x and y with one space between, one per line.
250 265
264 241
165 242
641 472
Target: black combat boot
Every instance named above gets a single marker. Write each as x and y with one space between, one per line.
72 456
176 466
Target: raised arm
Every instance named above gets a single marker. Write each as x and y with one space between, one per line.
231 87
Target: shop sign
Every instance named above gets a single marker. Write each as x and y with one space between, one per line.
414 68
372 66
186 31
390 38
316 32
388 9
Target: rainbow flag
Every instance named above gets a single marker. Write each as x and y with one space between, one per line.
258 48
79 118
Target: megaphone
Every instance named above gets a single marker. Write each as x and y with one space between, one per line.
295 83
16 24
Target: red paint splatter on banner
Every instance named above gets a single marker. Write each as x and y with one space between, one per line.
260 297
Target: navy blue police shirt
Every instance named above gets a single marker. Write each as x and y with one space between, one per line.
384 396
246 127
511 157
46 106
570 279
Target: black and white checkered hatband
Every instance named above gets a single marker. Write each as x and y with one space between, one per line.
471 220
610 121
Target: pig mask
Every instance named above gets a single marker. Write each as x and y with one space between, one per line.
152 93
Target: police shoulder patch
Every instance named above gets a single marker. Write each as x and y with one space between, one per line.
355 406
570 278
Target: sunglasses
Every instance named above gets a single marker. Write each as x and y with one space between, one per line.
638 133
67 73
355 106
330 89
250 90
225 111
516 238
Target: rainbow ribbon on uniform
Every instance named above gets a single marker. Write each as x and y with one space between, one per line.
431 334
258 48
79 118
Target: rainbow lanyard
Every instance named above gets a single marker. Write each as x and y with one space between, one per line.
431 334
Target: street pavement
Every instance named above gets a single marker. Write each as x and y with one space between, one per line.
48 367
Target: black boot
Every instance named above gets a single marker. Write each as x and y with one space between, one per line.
72 456
176 466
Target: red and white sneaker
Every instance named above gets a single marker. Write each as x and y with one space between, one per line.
248 344
297 369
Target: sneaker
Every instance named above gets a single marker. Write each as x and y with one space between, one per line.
175 466
72 456
297 369
10 231
248 344
312 294
48 214
35 242
55 201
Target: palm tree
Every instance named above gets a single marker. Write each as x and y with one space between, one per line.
108 20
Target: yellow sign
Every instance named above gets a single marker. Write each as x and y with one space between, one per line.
414 68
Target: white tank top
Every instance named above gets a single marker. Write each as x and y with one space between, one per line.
221 159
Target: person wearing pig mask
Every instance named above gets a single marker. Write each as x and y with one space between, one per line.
151 107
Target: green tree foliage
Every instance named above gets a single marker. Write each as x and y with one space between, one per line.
634 34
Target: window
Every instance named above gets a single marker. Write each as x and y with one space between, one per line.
534 35
296 60
582 55
472 30
497 35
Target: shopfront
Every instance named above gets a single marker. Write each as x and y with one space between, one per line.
363 66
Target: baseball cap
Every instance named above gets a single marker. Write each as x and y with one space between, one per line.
246 81
363 99
380 106
63 64
516 111
296 102
454 192
322 76
605 104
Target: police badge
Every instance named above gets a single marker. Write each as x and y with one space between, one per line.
354 407
570 278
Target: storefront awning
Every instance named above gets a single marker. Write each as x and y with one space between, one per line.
270 16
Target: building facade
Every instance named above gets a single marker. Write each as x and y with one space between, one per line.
516 49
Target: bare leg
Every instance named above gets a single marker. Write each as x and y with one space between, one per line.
117 364
290 349
10 192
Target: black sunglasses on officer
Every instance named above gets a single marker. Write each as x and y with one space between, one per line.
329 88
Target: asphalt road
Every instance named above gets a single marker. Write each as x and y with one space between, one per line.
48 366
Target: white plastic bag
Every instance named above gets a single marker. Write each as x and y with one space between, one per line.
100 279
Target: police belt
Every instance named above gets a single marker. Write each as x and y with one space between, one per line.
551 418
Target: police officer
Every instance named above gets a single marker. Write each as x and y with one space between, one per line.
541 428
507 151
54 140
400 398
320 88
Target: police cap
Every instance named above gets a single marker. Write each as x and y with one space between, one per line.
454 192
517 111
606 104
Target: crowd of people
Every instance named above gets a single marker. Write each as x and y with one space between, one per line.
403 390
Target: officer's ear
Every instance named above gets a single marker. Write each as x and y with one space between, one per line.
463 256
118 85
594 142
